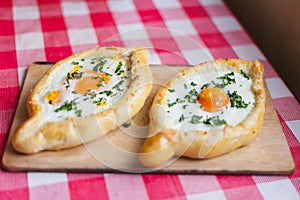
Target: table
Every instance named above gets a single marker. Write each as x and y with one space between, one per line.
176 32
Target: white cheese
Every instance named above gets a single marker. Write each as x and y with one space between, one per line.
179 114
85 104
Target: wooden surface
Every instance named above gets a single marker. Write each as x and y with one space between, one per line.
269 154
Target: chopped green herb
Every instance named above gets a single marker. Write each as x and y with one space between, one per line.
117 86
205 86
192 96
196 119
82 59
74 75
99 66
236 100
119 70
92 95
107 92
67 106
125 77
218 85
179 100
126 124
226 80
101 61
171 90
171 104
181 118
175 102
78 113
185 86
214 121
75 63
100 101
193 84
245 75
101 80
184 106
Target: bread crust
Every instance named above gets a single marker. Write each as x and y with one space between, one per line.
37 134
163 143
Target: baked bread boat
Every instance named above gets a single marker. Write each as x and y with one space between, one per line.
207 110
83 97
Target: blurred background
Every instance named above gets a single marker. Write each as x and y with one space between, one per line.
275 27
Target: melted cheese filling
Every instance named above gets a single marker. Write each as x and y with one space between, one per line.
84 86
183 112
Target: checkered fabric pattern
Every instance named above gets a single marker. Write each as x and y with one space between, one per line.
176 32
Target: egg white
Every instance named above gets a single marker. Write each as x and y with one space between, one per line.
182 86
57 81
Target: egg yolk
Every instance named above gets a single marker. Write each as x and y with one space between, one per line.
91 83
52 97
213 99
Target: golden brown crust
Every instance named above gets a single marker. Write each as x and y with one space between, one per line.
164 143
37 134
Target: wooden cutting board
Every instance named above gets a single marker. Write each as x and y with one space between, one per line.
268 154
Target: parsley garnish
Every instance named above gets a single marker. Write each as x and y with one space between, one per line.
211 121
107 92
100 101
205 86
101 80
66 106
181 118
126 125
99 65
78 113
171 104
214 121
118 70
226 80
191 96
171 90
193 84
101 61
236 100
75 63
185 86
73 75
117 86
175 102
196 119
245 75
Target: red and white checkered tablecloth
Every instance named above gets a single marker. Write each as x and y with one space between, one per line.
176 32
